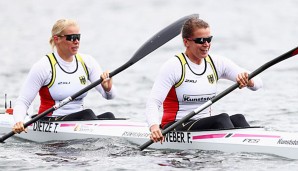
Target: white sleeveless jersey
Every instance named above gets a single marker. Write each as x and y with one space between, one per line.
193 90
62 85
69 77
182 86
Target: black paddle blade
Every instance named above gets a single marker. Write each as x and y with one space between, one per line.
155 42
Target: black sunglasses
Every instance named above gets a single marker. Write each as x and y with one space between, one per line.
71 37
201 40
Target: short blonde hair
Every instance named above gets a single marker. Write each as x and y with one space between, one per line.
59 27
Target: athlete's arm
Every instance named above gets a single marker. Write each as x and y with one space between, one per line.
38 76
169 74
229 70
95 72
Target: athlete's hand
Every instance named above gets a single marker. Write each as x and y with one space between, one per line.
156 134
19 127
107 81
242 80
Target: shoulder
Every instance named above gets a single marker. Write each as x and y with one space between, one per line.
42 64
89 60
40 70
219 60
173 61
86 57
171 70
92 65
172 64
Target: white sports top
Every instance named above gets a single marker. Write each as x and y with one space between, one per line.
70 77
181 88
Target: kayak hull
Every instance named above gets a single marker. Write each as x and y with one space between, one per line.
250 140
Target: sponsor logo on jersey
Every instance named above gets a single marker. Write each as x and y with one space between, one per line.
63 82
190 81
197 98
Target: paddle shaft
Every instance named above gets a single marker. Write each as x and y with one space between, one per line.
287 55
152 44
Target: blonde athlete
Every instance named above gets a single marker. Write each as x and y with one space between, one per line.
61 74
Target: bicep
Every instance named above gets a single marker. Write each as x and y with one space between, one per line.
228 69
168 76
36 78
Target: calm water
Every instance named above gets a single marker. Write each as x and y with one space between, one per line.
250 32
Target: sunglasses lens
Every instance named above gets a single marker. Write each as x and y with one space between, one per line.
199 40
202 40
73 37
209 39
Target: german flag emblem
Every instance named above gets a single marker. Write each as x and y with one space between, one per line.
82 80
210 78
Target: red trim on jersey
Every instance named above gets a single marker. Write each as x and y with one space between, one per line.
46 100
171 107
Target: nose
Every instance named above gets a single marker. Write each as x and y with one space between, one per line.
76 41
206 43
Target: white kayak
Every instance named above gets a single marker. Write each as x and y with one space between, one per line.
251 140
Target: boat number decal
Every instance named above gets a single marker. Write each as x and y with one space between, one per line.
45 126
180 137
249 140
135 134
